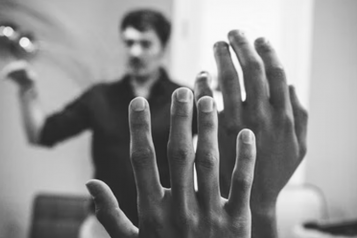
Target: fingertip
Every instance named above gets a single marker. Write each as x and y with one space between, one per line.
93 186
261 42
138 104
183 95
203 77
206 104
246 136
220 46
246 145
233 34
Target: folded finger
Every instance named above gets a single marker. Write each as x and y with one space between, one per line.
202 86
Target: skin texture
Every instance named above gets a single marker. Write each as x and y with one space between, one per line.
271 110
181 211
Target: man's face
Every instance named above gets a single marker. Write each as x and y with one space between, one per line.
144 51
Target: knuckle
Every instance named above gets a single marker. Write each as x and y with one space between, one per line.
276 73
258 117
207 159
243 183
140 157
139 126
283 120
253 67
231 126
227 76
180 112
206 124
185 219
179 155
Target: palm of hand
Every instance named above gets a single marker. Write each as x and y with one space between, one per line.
168 217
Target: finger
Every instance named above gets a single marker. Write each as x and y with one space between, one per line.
252 67
142 152
243 173
207 155
228 80
202 86
275 73
300 119
180 148
108 212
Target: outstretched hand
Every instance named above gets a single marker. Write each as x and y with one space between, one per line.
181 211
271 110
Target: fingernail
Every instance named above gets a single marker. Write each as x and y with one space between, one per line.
262 42
236 33
204 77
138 104
203 74
183 95
220 45
206 104
247 136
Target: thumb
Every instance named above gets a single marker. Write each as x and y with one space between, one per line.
108 212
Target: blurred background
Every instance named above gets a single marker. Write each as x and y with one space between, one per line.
73 44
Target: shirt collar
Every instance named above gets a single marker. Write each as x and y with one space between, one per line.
158 89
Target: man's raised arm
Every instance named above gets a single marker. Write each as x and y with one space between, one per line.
32 114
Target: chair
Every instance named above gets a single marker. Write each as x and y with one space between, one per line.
58 216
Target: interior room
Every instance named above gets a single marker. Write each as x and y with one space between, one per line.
74 44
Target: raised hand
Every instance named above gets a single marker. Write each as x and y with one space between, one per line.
19 72
181 211
271 110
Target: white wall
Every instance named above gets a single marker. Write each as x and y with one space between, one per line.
79 46
332 141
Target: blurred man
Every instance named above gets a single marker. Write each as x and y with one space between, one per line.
103 109
225 167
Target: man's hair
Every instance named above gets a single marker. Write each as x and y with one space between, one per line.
148 19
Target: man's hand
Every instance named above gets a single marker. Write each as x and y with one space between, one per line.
181 211
20 72
271 110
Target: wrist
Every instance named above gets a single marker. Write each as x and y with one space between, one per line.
264 221
265 210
